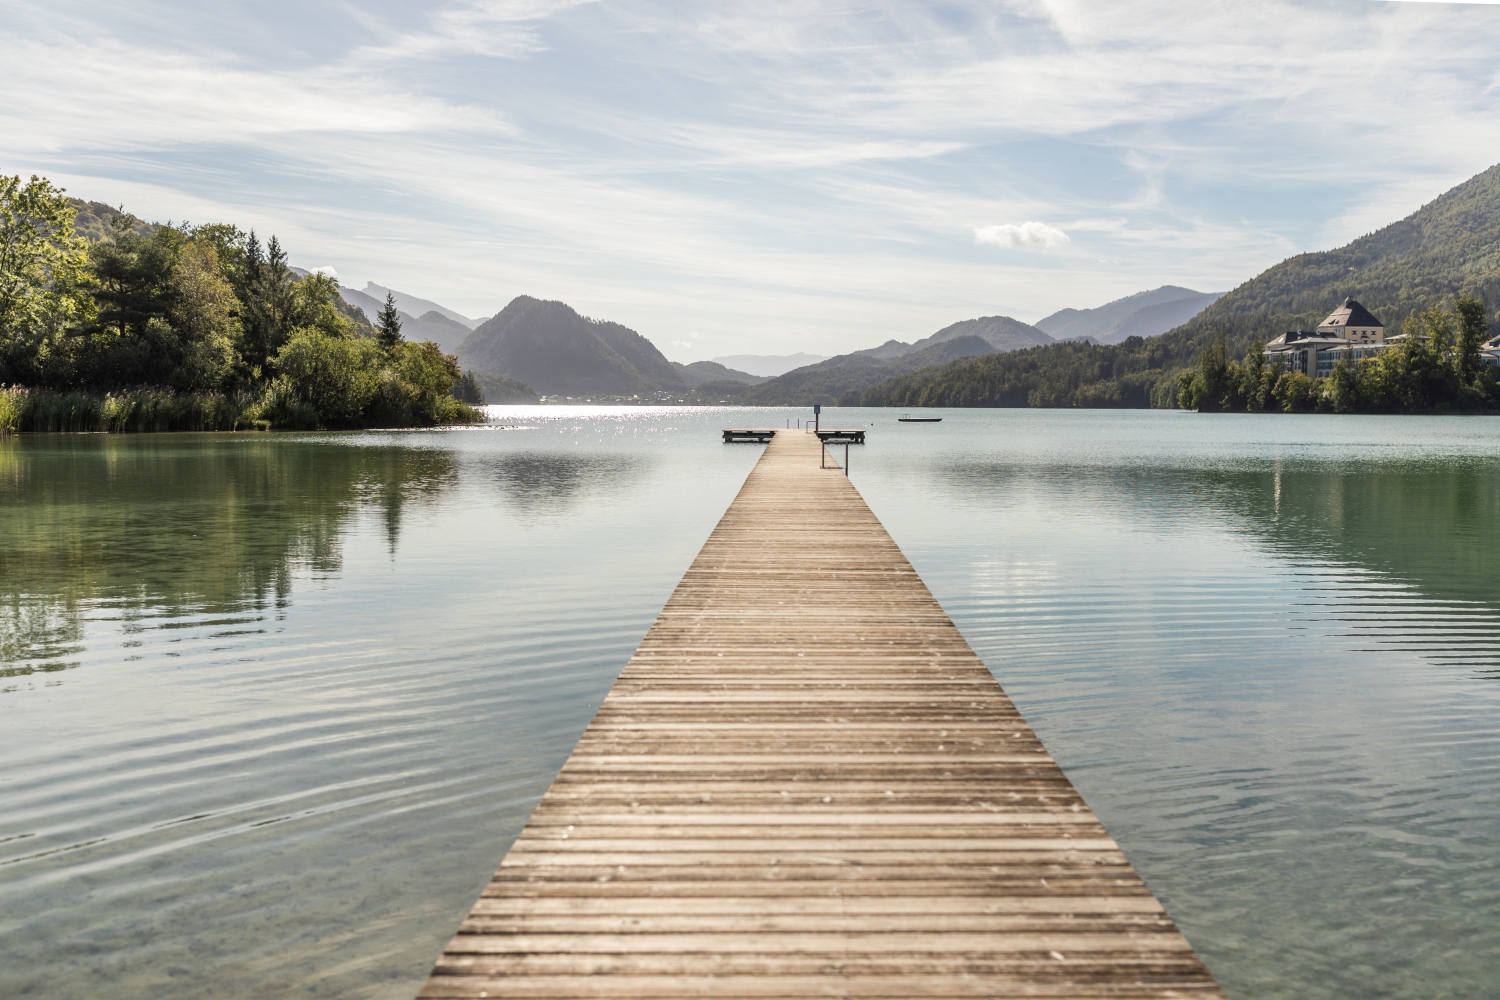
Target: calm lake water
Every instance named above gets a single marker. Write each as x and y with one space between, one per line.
274 706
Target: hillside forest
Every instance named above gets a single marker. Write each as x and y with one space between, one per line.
1435 273
107 323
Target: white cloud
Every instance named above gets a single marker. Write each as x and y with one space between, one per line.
1026 236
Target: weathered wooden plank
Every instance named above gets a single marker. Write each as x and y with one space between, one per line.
805 784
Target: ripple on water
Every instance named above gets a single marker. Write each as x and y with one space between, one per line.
296 733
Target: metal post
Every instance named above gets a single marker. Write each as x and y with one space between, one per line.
822 454
817 417
846 459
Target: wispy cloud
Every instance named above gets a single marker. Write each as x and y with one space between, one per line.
755 171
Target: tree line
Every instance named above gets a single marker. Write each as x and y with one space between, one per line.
167 326
1135 373
1436 366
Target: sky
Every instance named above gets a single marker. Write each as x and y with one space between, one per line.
762 177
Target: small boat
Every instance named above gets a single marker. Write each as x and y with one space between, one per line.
919 420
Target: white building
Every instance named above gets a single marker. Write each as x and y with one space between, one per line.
1354 323
1350 330
1489 354
1303 351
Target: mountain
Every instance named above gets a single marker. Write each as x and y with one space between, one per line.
1001 332
1449 246
500 389
417 307
701 372
769 365
828 380
1144 314
433 325
549 346
91 220
1152 320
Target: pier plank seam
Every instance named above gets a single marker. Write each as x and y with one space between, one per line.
805 783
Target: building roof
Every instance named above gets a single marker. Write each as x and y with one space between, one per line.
1351 313
1492 344
1294 338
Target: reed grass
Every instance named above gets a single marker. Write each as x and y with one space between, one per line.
131 411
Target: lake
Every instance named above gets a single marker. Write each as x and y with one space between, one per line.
273 707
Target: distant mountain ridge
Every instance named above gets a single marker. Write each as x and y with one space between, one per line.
1144 314
1001 332
826 381
768 365
549 346
436 325
702 372
420 307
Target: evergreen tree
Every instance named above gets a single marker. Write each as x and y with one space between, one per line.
388 323
269 304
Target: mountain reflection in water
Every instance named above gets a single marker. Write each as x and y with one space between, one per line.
544 484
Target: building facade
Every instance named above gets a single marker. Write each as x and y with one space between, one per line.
1350 331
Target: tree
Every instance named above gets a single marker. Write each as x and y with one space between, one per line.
133 276
388 323
1472 331
42 270
269 301
203 318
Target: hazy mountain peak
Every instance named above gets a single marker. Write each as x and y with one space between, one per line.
415 306
1143 314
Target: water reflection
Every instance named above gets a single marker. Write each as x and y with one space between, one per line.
1412 543
181 525
546 484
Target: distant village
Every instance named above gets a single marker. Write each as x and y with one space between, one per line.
1350 331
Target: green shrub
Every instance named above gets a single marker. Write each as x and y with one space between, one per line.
335 377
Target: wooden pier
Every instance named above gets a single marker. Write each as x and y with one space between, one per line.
806 784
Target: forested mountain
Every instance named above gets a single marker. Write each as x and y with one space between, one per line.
1001 332
550 347
1449 247
828 381
1144 314
91 220
700 372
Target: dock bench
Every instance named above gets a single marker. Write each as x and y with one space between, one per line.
748 434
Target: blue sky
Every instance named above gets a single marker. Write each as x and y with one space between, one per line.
762 177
